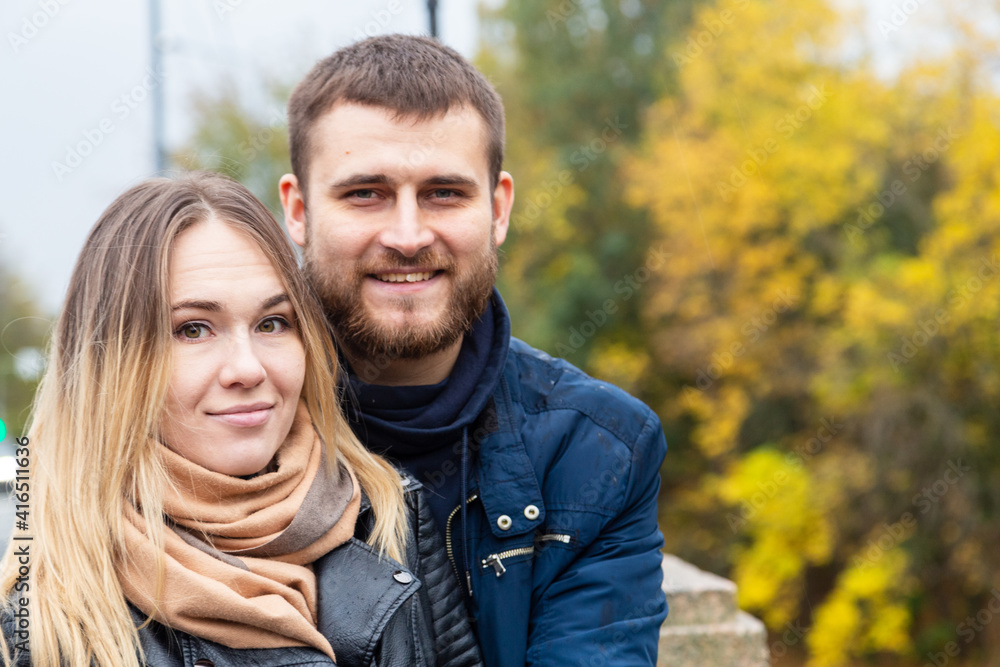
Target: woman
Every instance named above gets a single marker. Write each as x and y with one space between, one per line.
195 489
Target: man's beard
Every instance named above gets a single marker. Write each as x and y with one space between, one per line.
364 336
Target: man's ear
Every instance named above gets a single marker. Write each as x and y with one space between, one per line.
503 201
295 208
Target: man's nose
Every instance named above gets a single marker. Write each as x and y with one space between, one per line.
407 229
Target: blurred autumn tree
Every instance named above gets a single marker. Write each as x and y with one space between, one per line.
830 307
246 143
576 77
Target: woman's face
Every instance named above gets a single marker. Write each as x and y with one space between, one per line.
238 361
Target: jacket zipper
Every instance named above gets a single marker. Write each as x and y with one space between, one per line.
447 544
496 560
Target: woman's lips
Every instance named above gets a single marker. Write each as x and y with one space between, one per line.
244 416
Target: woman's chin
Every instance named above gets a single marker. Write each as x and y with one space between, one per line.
243 465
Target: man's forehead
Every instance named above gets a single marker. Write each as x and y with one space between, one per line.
403 117
353 136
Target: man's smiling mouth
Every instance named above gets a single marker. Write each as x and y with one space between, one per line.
404 277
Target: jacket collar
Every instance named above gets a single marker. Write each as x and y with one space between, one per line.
354 610
508 486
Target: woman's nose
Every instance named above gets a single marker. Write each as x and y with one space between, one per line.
243 365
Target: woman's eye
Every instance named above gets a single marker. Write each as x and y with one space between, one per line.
191 331
273 325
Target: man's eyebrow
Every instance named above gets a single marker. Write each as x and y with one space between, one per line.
381 179
361 179
452 179
215 306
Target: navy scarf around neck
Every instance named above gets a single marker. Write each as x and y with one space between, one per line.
426 428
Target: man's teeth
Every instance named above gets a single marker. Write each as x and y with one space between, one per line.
404 277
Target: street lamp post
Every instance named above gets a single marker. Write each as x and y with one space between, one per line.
156 64
432 9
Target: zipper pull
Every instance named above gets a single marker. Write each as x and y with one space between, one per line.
468 582
494 561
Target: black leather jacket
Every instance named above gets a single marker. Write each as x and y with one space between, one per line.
376 612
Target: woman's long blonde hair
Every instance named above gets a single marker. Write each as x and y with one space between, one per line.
101 400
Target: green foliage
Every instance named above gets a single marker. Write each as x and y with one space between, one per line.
23 328
576 77
243 142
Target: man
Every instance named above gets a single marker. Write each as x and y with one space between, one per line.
543 480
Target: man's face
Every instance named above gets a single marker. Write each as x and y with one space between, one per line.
401 229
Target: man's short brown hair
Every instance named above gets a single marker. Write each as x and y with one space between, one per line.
409 75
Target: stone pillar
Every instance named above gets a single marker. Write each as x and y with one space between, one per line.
704 627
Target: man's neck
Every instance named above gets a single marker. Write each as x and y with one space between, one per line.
431 369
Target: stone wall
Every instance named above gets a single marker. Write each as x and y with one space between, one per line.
704 627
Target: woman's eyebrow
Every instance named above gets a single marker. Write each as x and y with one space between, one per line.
215 306
274 301
194 304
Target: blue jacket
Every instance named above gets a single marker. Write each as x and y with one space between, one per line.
562 521
560 473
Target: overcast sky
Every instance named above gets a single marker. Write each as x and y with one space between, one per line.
77 72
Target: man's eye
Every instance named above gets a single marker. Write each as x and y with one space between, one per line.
363 194
273 325
191 331
444 194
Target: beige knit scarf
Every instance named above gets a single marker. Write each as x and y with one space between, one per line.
239 555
